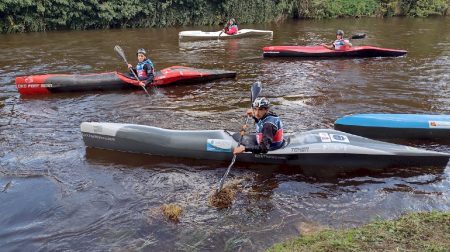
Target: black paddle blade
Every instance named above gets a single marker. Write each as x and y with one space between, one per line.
120 53
358 36
256 89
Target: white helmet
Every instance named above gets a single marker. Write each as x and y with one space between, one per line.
261 103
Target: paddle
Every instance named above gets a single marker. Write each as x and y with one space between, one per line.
256 89
121 53
358 36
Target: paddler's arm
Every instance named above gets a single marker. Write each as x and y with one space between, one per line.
331 47
268 134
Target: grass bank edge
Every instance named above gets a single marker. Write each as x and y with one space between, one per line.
423 231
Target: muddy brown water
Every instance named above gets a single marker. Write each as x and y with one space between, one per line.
57 195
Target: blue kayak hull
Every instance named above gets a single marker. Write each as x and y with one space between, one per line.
402 126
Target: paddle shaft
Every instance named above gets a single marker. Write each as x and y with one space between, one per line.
222 180
255 90
358 36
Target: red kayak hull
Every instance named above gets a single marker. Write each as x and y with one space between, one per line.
320 51
58 83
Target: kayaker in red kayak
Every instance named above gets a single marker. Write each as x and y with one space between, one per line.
144 68
269 129
231 27
340 43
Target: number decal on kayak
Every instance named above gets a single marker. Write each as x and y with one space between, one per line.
218 145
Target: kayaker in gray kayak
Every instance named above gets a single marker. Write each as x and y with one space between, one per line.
145 69
340 43
269 129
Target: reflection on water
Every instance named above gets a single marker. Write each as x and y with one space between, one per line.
58 195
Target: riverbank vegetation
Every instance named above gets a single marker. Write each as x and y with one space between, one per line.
412 232
42 15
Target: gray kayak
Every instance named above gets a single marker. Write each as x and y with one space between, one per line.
320 148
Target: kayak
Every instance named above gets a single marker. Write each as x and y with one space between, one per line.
320 149
320 51
405 126
194 35
56 83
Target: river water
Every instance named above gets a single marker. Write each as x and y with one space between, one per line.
57 195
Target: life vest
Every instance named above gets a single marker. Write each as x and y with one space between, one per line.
339 44
278 137
231 29
141 72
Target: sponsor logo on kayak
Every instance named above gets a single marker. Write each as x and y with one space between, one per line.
218 145
269 156
328 138
300 149
324 137
339 138
439 124
44 85
94 136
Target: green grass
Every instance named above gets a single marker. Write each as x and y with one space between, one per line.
412 232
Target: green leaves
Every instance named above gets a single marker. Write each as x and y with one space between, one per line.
41 15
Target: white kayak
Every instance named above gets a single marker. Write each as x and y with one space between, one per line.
195 35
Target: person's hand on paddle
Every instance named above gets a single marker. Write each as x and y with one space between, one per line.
130 66
239 149
250 112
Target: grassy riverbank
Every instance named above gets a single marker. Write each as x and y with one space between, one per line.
412 232
27 15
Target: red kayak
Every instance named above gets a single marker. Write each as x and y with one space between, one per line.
57 83
320 51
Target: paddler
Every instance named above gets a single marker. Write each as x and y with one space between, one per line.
269 129
144 68
231 27
340 43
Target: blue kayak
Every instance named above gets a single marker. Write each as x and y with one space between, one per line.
406 126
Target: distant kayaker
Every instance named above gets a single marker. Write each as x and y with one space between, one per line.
340 43
269 129
144 68
231 27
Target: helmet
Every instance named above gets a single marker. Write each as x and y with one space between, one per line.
261 103
141 51
340 32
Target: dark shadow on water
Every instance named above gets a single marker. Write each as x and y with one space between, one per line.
133 160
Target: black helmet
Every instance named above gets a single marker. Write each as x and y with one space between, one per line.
340 32
141 51
261 103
